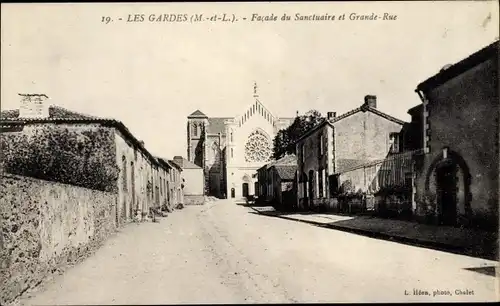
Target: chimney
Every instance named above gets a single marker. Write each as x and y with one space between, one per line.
33 106
331 115
178 158
445 67
371 101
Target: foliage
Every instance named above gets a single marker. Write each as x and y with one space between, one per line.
284 141
82 158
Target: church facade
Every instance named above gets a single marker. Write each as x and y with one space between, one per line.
231 149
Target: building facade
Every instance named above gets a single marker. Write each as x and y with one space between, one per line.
96 153
458 181
231 149
282 183
328 153
193 180
176 183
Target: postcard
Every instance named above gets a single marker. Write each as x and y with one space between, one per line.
249 152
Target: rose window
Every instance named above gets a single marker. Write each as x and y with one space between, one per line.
258 147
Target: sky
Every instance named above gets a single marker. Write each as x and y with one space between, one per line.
152 75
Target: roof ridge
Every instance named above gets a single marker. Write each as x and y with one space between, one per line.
385 115
197 113
460 66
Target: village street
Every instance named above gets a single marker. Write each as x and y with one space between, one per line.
222 252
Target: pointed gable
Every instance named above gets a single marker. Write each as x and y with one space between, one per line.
256 109
197 114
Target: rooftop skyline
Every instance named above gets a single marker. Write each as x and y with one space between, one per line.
151 76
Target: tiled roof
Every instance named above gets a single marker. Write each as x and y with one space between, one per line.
286 172
345 164
405 158
367 108
55 112
287 160
312 130
61 115
164 162
490 51
417 108
364 108
216 125
174 164
197 114
382 114
184 163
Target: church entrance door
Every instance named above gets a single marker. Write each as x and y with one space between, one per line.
245 189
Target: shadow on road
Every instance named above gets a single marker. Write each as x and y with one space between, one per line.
245 204
488 270
463 242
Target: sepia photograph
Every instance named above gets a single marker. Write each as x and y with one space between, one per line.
249 152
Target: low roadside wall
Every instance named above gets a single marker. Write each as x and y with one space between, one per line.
45 226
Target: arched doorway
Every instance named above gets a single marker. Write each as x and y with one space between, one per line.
448 179
244 189
447 192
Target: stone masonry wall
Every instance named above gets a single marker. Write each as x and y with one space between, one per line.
45 226
194 200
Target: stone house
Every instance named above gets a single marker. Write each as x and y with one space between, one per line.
194 183
124 165
329 152
261 184
457 183
166 194
264 183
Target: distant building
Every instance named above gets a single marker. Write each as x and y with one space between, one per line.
231 149
328 154
193 180
282 187
173 191
457 183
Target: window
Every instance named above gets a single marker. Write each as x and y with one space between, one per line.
124 175
302 152
334 185
231 152
408 179
321 149
195 130
320 183
258 147
232 136
394 143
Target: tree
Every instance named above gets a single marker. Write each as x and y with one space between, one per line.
284 141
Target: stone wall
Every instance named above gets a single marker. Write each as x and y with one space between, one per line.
45 226
194 200
193 182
